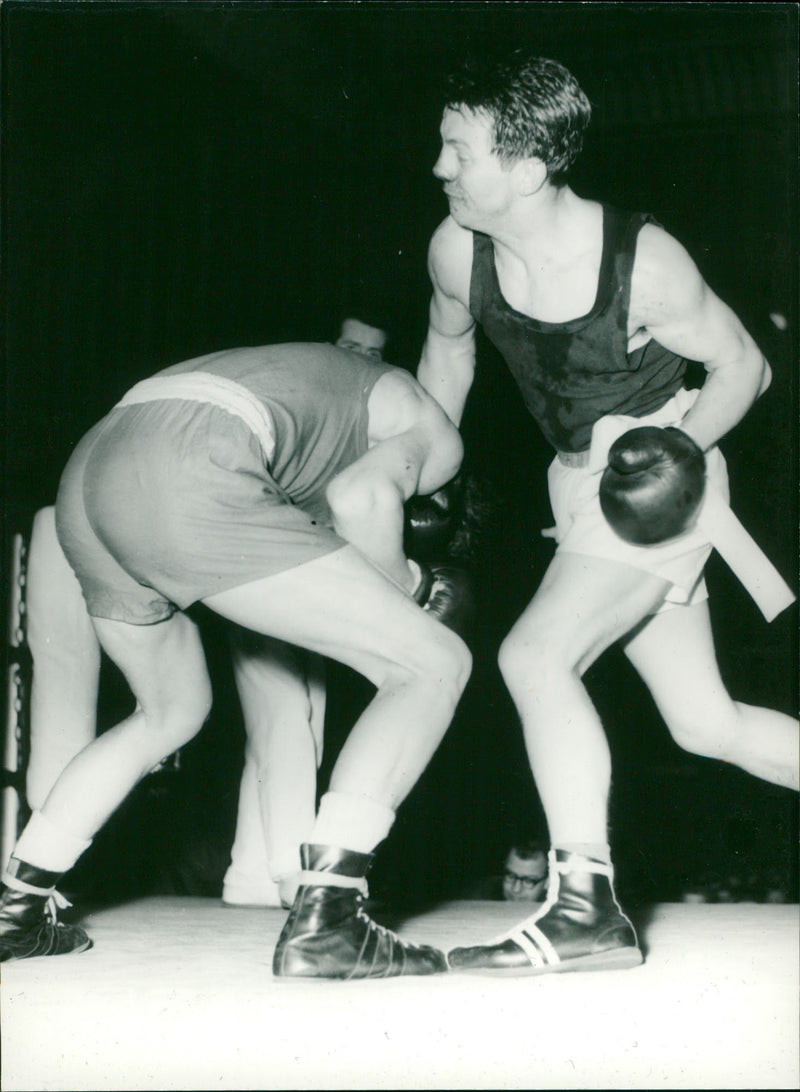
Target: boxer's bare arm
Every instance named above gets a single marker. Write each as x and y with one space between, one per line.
671 302
414 449
447 364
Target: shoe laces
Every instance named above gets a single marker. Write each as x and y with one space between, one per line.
54 903
382 929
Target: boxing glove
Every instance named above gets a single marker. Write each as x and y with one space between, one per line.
653 486
431 521
446 593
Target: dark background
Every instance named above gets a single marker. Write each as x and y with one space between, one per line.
179 178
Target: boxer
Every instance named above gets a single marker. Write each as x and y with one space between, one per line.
596 311
229 480
282 691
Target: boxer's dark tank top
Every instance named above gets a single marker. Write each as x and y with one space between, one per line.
573 373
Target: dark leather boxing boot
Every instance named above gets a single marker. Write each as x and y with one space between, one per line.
28 921
328 934
579 928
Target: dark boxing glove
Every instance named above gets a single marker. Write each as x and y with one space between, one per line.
432 521
653 485
446 592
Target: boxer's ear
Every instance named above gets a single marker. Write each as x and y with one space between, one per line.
531 175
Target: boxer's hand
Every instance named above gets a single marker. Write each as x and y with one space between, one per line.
653 485
446 592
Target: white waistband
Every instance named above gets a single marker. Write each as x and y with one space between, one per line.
574 459
215 390
718 523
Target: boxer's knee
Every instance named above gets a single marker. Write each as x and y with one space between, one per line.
438 656
704 732
459 662
448 659
170 726
171 716
533 661
358 498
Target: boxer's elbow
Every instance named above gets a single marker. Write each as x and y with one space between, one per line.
361 499
452 453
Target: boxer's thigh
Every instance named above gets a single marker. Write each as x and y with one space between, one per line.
582 606
341 607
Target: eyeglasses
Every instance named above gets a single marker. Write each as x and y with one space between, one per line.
529 882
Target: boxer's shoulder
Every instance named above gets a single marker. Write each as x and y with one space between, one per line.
663 274
450 258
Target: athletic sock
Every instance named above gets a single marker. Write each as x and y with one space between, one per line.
47 846
598 851
351 822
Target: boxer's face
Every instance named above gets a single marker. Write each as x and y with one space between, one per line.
477 185
359 337
525 880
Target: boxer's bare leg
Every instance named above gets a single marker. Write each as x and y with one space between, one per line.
341 607
165 667
674 654
338 606
582 606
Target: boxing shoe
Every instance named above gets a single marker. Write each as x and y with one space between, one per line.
328 934
28 915
579 928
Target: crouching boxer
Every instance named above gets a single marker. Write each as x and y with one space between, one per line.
268 484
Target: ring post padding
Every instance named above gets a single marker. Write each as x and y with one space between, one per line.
16 698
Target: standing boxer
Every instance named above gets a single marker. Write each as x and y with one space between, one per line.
596 312
269 484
